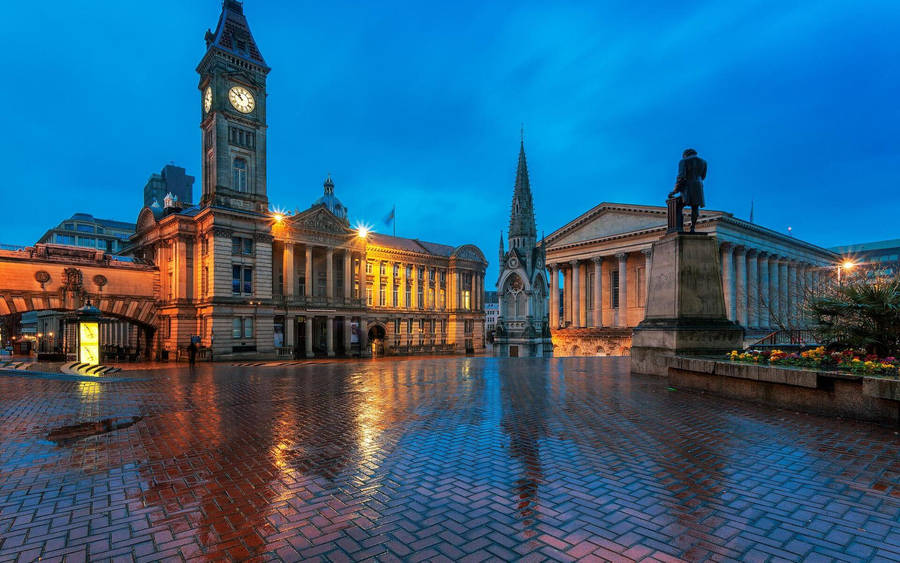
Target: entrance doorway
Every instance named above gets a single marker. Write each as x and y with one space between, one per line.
513 351
376 340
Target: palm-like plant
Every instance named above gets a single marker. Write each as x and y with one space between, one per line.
862 314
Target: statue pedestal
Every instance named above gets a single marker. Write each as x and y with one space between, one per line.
685 305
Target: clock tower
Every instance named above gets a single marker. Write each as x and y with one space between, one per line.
233 115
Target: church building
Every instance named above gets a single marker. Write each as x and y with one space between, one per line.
248 282
522 328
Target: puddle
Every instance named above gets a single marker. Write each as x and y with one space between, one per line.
69 434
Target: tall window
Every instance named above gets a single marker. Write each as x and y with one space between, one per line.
204 285
240 174
369 295
419 295
242 327
241 245
381 302
614 289
396 326
301 284
241 280
408 295
395 296
466 299
383 269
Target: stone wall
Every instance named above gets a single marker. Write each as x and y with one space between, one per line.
817 392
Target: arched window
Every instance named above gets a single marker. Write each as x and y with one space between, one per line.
240 174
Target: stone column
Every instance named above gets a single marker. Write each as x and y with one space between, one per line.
727 251
287 272
567 296
576 294
622 319
740 274
765 318
329 336
598 294
364 338
774 310
289 323
752 289
347 329
554 296
348 275
309 272
793 294
309 335
784 287
329 274
648 255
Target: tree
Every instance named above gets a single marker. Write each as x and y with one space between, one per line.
860 314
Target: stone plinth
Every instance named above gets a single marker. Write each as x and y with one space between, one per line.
685 305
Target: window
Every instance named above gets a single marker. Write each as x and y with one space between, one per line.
369 295
443 299
444 326
421 325
421 273
443 276
240 175
82 228
69 226
242 327
431 297
356 290
614 289
408 296
204 245
409 271
432 326
381 302
395 296
204 283
383 269
431 275
368 267
409 323
396 270
241 280
590 291
469 326
466 299
168 327
65 239
87 241
396 326
639 280
241 245
301 284
419 295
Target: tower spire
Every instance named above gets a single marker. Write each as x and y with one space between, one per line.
522 229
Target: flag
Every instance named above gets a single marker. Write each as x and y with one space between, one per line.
751 210
390 217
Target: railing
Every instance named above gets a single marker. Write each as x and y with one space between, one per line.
284 352
787 339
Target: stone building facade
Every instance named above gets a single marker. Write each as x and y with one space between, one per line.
252 283
602 259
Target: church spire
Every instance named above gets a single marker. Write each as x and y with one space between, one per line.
522 229
233 36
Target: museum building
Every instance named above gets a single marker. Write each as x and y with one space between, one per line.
251 283
601 260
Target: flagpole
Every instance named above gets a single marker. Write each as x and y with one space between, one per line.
395 219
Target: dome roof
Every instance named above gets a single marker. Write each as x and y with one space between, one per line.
330 201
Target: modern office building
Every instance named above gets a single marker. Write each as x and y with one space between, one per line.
84 230
170 180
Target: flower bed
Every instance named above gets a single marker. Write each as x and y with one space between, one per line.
846 361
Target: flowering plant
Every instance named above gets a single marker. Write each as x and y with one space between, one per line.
818 358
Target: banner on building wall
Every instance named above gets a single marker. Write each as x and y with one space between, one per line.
354 332
89 343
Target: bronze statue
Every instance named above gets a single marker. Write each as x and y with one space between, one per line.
689 184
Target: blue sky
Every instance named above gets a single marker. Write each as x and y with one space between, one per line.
794 105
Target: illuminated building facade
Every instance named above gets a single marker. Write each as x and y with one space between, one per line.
602 259
86 231
251 283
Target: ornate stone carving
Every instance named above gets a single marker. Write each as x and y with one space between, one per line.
74 280
263 237
100 281
222 232
41 277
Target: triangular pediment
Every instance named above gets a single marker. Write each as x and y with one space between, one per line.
319 218
608 220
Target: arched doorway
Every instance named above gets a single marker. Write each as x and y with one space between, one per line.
376 340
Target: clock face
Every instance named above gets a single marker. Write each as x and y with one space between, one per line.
513 263
207 99
241 99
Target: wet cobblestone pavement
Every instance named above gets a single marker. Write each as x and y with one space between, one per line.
453 459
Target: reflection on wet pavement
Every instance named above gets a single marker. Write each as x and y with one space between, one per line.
430 459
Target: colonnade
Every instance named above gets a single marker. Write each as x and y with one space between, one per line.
764 290
348 257
583 293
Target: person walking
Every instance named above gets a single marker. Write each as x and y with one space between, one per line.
192 353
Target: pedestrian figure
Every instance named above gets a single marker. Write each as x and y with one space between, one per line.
192 353
689 184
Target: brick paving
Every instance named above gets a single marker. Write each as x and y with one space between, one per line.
437 459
